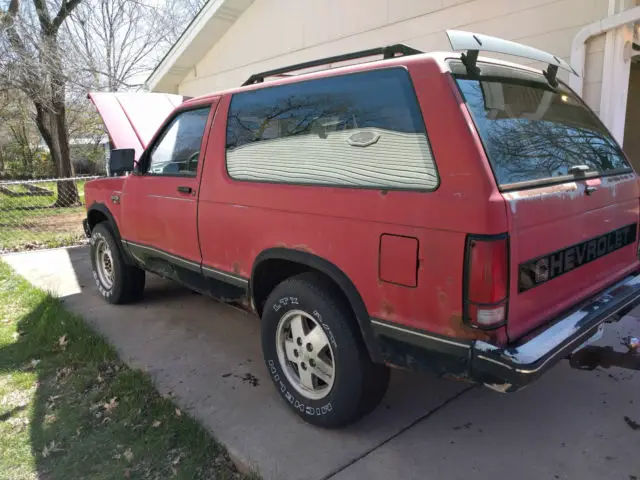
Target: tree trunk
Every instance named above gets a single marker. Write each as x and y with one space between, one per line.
52 126
51 118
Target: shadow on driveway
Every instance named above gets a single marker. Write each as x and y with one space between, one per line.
207 355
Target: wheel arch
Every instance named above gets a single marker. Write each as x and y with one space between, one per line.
262 283
99 212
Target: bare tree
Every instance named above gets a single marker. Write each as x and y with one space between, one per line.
87 45
31 61
114 42
174 17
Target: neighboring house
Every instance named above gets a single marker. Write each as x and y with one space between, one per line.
89 155
231 39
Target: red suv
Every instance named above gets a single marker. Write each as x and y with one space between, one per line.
439 212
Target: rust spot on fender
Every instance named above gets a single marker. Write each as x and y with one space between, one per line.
236 268
442 298
387 308
457 329
303 247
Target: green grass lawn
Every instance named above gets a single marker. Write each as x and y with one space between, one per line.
27 222
70 409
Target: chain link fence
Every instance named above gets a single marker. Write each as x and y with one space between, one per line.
41 213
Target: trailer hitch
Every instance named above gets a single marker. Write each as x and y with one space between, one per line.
591 357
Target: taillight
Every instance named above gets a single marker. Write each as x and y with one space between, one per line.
486 281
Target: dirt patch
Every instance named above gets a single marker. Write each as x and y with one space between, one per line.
63 223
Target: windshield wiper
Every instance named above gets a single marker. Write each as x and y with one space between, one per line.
578 169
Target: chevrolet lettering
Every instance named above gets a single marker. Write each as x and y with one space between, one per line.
542 269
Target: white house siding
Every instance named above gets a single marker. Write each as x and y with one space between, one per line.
631 137
273 33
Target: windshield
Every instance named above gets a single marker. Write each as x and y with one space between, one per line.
533 132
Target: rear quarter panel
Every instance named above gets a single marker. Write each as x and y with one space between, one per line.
238 220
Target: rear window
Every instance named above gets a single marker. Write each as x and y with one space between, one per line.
535 133
359 130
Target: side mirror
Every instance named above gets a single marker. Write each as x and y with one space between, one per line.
121 161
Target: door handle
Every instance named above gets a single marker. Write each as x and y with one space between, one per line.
589 190
185 189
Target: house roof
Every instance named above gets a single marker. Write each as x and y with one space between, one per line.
211 23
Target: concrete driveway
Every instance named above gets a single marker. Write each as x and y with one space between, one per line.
568 425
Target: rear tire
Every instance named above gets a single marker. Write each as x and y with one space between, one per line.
316 356
117 281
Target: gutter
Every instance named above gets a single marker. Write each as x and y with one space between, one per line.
579 47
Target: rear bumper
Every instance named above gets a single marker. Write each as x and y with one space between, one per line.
511 368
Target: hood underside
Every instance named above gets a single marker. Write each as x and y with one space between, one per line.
132 118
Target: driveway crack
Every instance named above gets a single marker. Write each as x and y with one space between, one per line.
421 418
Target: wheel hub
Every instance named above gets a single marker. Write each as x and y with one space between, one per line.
305 354
104 263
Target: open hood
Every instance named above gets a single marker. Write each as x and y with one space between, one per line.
132 118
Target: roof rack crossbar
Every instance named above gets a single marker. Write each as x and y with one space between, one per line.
390 51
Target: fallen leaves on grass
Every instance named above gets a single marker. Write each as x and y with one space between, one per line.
49 449
63 341
128 454
111 405
178 412
156 423
63 373
51 401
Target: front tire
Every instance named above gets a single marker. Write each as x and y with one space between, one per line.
117 281
316 356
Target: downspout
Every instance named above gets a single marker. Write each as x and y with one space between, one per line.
579 46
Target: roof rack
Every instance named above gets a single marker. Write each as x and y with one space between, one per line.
390 51
474 42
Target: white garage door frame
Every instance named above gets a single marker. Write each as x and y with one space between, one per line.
620 29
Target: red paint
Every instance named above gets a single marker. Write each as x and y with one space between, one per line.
398 260
133 118
228 223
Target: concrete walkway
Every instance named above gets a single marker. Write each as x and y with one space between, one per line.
206 355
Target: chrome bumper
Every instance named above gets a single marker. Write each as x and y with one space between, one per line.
510 368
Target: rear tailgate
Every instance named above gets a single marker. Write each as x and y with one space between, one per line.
571 196
567 245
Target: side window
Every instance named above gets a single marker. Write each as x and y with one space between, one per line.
177 152
356 130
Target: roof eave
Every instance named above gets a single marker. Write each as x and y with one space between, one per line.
209 25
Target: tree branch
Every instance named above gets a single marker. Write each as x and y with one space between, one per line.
43 15
66 7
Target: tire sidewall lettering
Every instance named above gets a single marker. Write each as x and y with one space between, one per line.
294 302
304 406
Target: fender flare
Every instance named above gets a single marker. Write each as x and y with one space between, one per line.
341 279
102 208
